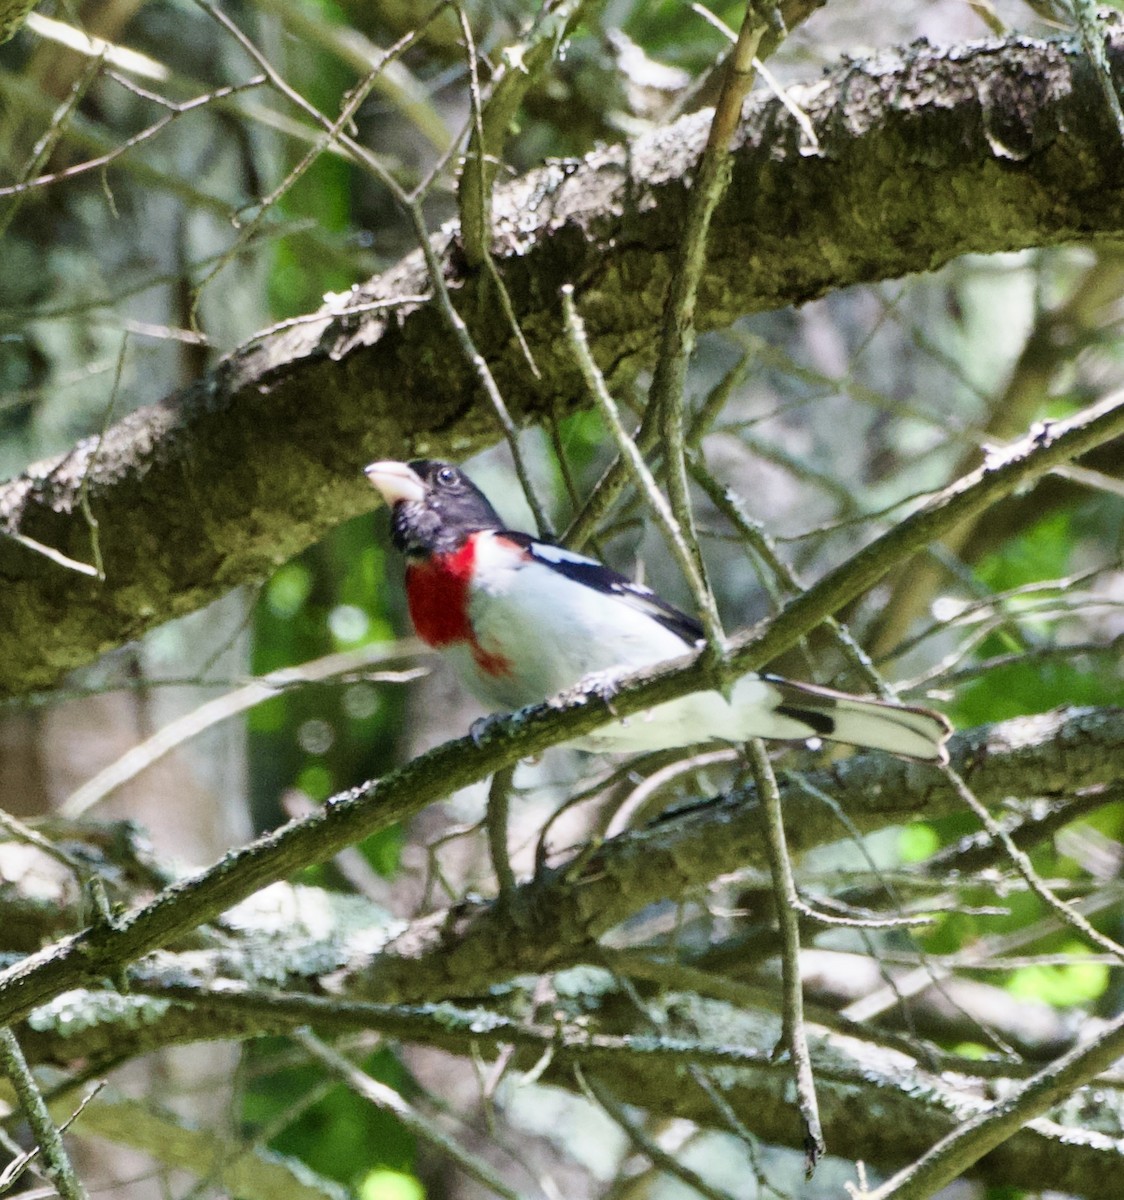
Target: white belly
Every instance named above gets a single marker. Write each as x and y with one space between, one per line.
590 632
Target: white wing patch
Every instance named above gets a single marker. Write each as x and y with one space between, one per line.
559 554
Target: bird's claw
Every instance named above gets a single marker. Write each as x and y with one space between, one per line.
482 726
604 685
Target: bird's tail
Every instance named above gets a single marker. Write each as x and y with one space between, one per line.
904 729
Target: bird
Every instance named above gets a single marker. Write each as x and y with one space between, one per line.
523 620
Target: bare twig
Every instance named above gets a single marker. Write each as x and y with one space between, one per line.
56 556
92 461
42 150
22 832
664 416
980 953
56 1161
753 533
596 1091
677 340
114 55
104 160
677 540
1025 868
953 1154
474 196
387 1099
793 1033
221 708
499 798
396 83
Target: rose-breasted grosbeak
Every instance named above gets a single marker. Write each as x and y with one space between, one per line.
523 620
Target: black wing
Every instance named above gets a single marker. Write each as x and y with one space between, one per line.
592 574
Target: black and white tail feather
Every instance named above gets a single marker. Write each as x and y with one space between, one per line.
905 729
559 618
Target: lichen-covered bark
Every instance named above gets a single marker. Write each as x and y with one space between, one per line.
925 155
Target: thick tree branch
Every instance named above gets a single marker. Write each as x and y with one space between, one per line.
868 1112
1007 142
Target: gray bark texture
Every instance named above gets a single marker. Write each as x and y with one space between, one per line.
925 154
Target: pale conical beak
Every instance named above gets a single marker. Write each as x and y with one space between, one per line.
395 481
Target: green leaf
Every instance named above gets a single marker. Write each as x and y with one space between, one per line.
1064 985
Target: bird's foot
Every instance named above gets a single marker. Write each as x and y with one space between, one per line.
604 685
482 726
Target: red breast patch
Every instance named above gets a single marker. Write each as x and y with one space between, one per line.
437 592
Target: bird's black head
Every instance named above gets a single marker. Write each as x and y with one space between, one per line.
434 506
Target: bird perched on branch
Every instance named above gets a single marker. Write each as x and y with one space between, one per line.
522 620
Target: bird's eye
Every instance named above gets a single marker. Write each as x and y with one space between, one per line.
446 477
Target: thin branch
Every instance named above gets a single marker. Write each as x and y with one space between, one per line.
794 1035
22 832
387 1099
730 505
92 462
82 43
678 543
980 953
104 160
56 556
597 1092
678 327
738 1128
56 1161
182 729
1024 460
499 798
43 149
677 340
1069 915
954 1154
396 83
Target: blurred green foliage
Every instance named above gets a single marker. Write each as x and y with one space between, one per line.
324 738
341 1136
